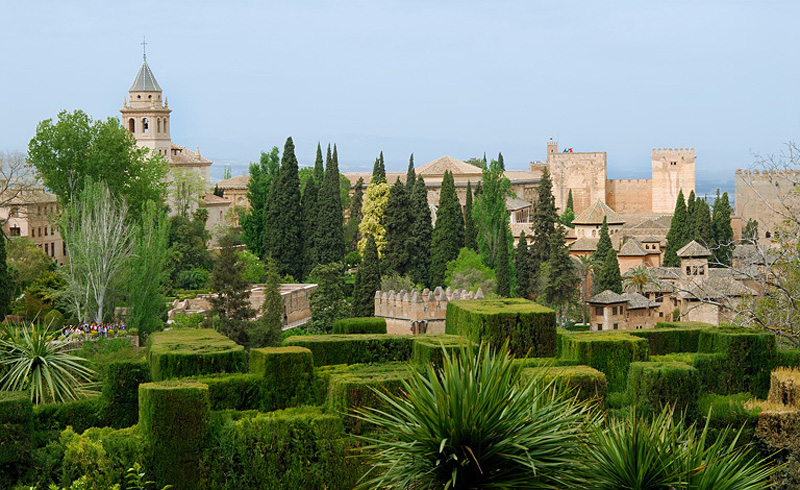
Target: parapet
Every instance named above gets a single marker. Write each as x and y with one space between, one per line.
413 305
687 153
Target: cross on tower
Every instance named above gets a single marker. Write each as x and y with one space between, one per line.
144 48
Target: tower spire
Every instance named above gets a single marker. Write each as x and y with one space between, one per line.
144 48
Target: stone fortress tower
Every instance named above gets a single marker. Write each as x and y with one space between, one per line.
585 174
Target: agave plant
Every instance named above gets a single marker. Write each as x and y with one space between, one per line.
474 423
31 360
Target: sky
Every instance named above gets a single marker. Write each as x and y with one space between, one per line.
433 78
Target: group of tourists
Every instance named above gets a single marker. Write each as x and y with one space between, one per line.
87 329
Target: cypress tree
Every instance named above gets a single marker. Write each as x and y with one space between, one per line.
411 175
351 234
676 237
702 223
722 231
266 331
503 268
308 202
330 227
319 168
608 275
470 231
5 279
544 219
691 213
368 280
448 235
500 161
569 201
603 244
232 301
521 263
485 163
283 231
398 222
378 171
421 232
562 281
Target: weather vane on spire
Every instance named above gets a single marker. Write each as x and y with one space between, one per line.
144 48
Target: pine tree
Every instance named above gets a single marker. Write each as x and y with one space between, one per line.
232 300
521 263
562 282
411 175
398 223
722 231
329 234
503 268
603 244
676 237
448 235
283 231
702 223
378 171
608 276
351 233
500 161
319 168
421 232
5 280
570 205
368 280
470 231
308 202
544 219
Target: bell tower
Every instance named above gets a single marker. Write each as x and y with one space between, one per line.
145 114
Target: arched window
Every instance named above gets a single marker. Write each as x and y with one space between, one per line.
768 235
158 125
145 125
131 125
594 233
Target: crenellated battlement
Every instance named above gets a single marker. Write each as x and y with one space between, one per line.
769 172
686 153
416 312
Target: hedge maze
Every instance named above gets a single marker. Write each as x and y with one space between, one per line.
201 413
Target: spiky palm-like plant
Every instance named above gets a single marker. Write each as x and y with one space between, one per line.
31 360
475 424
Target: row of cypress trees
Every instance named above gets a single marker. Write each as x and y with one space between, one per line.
693 220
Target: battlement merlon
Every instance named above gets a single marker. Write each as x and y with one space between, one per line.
666 153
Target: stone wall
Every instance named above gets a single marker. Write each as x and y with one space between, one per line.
673 170
630 196
583 173
766 196
412 312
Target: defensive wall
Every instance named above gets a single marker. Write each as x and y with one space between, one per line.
412 312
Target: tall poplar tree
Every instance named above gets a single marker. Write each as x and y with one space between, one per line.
490 214
378 171
470 231
677 235
262 175
368 280
521 263
421 232
308 202
503 268
351 233
411 175
544 219
448 234
283 229
398 222
5 279
330 226
722 246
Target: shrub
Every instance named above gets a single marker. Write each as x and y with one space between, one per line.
234 391
354 348
667 340
529 362
710 368
283 450
183 353
787 358
360 325
784 387
100 457
749 354
174 418
611 353
80 414
588 383
723 411
182 320
16 426
655 385
530 328
121 382
661 325
431 348
287 374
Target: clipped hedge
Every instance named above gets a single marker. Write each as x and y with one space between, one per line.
612 353
174 419
530 328
105 454
588 383
282 450
193 352
787 358
654 385
120 388
237 391
16 426
750 357
288 376
354 348
711 369
430 348
723 411
80 414
683 325
369 324
531 362
667 340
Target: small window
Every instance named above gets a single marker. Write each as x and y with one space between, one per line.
599 326
45 231
768 235
702 270
688 270
132 125
598 310
15 231
158 125
616 326
145 125
40 231
47 249
661 314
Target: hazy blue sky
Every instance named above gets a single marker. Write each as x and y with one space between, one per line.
430 77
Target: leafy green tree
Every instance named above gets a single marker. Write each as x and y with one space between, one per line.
262 175
26 261
254 271
368 280
470 231
75 148
266 331
5 279
411 175
448 234
309 204
561 283
283 230
568 216
351 232
330 221
186 189
490 214
476 162
677 235
378 171
503 269
328 302
189 260
148 272
468 271
544 220
421 232
231 303
721 230
607 275
399 223
522 264
372 215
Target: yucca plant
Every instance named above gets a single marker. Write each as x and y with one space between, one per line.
474 424
31 360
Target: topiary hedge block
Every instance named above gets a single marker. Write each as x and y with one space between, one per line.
528 362
750 357
530 328
120 388
368 324
430 349
784 387
654 385
779 429
174 419
236 391
787 358
660 325
300 448
193 352
287 373
587 383
669 340
80 414
354 348
16 426
611 353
